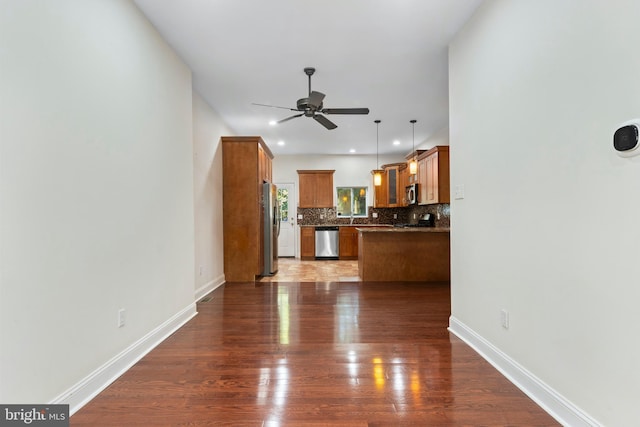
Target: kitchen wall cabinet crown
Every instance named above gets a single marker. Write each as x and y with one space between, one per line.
315 188
246 164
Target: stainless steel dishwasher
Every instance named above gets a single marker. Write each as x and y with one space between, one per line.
327 242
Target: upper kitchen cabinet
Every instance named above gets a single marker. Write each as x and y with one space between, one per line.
433 176
391 193
316 188
246 164
380 191
264 159
412 178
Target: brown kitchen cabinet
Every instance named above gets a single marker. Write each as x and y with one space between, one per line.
391 193
404 181
413 179
316 188
433 176
422 180
393 178
307 243
246 164
380 191
348 237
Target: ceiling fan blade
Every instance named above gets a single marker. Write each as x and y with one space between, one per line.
289 118
324 121
274 106
345 111
315 99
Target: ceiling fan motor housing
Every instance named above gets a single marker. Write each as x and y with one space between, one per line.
304 105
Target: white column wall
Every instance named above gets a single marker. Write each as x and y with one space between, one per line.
96 189
548 228
208 127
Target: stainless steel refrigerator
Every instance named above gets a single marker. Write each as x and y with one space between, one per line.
271 228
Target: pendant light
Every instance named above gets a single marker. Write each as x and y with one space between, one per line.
413 165
377 176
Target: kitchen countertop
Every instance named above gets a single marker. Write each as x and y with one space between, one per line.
347 225
405 230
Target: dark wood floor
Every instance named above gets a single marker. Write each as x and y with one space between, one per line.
315 354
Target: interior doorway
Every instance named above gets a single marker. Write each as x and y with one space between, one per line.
287 201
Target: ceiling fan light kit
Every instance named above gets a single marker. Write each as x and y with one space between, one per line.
312 106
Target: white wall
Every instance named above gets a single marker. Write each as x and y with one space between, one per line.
96 189
350 171
549 226
440 137
208 127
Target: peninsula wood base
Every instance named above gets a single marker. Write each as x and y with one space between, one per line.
404 255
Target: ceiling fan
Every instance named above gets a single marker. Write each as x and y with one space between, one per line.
311 106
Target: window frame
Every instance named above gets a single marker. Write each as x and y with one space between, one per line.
352 199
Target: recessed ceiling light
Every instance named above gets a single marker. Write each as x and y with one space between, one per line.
280 143
353 150
396 142
273 122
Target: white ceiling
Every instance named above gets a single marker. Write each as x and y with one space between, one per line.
387 55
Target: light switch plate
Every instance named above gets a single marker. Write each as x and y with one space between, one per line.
299 216
459 194
374 215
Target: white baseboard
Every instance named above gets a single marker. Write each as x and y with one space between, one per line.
547 398
210 286
89 387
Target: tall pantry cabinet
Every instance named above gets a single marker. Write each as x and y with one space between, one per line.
246 164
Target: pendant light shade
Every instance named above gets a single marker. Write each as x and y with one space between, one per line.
413 165
377 176
377 179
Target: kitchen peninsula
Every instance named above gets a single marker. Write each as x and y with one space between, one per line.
404 254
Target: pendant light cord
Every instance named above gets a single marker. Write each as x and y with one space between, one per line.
413 145
377 122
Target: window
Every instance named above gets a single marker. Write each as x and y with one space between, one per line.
352 201
283 201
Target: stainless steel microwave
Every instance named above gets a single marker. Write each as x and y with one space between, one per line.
411 194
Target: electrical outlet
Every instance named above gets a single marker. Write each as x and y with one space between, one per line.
321 216
374 215
395 216
504 318
299 216
121 317
459 194
438 215
414 216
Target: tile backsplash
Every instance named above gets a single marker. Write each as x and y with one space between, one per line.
404 215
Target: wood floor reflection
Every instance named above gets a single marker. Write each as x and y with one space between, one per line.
315 353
